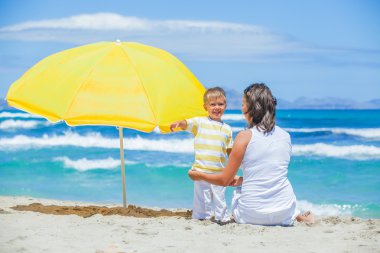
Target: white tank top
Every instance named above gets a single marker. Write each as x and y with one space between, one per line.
267 197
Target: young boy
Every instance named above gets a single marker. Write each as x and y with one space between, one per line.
212 144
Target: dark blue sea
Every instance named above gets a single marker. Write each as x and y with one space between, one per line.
335 167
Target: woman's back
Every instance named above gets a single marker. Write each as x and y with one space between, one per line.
266 194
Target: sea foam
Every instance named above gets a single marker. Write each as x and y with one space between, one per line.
329 209
368 133
371 133
98 141
354 152
85 164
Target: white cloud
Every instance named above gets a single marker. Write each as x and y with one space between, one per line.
112 21
193 39
206 40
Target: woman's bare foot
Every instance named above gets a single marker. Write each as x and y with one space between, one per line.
306 217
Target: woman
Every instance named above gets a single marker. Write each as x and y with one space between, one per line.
263 151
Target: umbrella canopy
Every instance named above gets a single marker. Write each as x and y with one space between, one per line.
110 83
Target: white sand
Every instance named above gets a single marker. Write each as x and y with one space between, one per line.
24 231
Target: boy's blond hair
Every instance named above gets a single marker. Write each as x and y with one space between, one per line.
214 92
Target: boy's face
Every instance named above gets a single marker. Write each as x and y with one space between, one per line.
215 108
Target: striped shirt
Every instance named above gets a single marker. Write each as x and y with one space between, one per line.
211 141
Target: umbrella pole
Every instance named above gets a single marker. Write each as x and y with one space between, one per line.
122 166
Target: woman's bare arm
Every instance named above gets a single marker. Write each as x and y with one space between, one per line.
233 164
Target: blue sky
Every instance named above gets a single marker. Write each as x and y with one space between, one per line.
316 48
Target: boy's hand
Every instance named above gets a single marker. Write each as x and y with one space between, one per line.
194 175
174 125
181 124
237 181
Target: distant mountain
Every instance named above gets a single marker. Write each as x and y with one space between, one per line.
375 103
234 102
328 103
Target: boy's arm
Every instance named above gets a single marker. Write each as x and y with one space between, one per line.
228 174
181 124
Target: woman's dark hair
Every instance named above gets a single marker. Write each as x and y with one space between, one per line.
261 107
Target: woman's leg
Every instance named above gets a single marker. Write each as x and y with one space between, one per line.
235 205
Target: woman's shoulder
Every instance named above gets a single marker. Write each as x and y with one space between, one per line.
280 129
244 135
280 132
242 140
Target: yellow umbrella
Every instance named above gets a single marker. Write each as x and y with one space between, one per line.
120 84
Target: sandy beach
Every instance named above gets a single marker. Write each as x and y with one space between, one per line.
31 231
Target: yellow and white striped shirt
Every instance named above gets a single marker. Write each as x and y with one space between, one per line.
211 141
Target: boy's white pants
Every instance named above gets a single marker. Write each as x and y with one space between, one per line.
209 199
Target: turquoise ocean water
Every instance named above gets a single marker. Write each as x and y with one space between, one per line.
335 167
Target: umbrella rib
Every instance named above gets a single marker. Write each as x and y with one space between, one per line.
142 84
80 86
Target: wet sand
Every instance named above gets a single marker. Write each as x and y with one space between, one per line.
88 211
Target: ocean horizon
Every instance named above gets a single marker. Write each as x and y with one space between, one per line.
334 168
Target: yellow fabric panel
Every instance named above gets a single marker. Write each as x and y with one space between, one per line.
107 83
164 77
113 89
48 87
